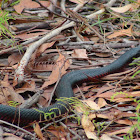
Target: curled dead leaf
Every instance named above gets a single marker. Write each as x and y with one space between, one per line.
60 68
80 54
92 104
122 9
101 102
128 32
38 131
88 127
10 92
28 4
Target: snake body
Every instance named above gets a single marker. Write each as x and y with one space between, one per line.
64 89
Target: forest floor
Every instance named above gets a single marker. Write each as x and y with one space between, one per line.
43 40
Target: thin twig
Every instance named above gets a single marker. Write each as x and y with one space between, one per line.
74 133
28 103
15 126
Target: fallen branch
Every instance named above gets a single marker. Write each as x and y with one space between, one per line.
19 75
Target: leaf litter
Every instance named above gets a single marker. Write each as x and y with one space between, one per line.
110 104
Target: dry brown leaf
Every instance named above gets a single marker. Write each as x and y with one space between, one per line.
10 92
120 114
91 104
118 100
126 121
106 95
92 116
38 131
9 136
95 39
29 4
105 137
111 114
59 132
14 58
105 116
27 87
121 9
108 115
4 96
80 54
83 88
125 130
104 89
119 97
60 68
123 32
5 82
26 35
88 127
82 108
43 100
43 47
114 113
86 88
14 66
101 102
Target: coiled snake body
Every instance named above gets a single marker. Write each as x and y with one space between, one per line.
64 89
